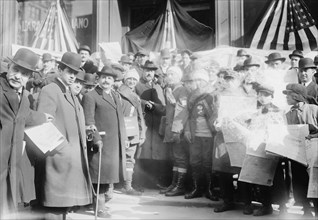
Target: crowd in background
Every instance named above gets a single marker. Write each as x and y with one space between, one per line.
141 123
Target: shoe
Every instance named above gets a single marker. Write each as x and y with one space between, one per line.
103 214
196 192
132 192
172 185
248 210
209 192
263 211
179 189
225 207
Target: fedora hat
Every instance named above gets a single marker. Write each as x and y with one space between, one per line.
84 47
250 61
273 57
25 58
118 69
81 75
149 65
125 59
90 79
296 53
242 53
47 57
305 63
71 60
108 71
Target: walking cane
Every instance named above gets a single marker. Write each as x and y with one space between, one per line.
98 177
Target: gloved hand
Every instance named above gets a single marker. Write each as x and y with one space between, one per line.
99 145
187 136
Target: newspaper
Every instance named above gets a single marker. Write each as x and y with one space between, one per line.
288 141
46 136
313 183
237 153
312 152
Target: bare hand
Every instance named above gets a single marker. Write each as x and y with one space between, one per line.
187 136
48 117
99 145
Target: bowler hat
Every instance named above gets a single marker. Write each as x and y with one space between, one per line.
296 53
47 57
242 53
108 71
149 65
316 60
81 75
273 57
90 67
298 89
71 60
84 47
90 79
305 63
250 62
165 53
25 58
125 59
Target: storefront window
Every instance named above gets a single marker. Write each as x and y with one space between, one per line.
32 14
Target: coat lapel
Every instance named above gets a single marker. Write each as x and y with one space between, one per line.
106 97
10 95
67 93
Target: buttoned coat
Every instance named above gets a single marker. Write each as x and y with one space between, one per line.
153 147
14 117
106 114
65 180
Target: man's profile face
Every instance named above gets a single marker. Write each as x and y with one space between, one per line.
18 76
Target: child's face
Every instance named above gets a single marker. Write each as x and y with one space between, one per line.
264 98
290 100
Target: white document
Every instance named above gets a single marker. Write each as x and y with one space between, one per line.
46 136
312 152
288 141
112 51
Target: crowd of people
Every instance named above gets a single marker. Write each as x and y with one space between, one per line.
141 123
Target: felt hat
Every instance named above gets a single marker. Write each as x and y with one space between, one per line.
71 60
149 65
90 67
26 59
118 69
125 59
84 47
47 57
142 52
273 57
305 63
296 53
81 75
250 62
242 53
187 51
90 79
316 60
108 71
298 89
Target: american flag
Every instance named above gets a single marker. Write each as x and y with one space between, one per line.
169 35
287 25
55 32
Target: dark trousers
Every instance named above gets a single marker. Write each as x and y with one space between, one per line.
300 181
226 187
180 154
200 153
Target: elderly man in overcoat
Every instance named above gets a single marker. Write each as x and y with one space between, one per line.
15 115
102 108
65 180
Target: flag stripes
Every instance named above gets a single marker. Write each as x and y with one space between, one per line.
287 25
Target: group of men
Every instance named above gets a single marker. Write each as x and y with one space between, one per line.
138 117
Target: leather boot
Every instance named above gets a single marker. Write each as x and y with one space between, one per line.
178 190
208 193
172 185
196 192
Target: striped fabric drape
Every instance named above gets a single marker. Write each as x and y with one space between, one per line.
287 25
169 35
55 32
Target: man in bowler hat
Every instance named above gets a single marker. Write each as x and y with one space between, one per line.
15 116
64 175
307 70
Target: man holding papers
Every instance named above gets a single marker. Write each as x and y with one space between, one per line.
15 115
65 174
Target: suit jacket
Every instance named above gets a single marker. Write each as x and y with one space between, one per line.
106 114
14 117
312 93
65 180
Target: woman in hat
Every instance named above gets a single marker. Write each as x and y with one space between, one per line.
16 173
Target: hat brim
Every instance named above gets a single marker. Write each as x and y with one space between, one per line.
150 68
295 55
309 67
282 59
287 91
249 65
22 65
69 66
107 74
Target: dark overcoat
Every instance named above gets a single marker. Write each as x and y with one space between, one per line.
14 117
65 180
106 114
153 147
